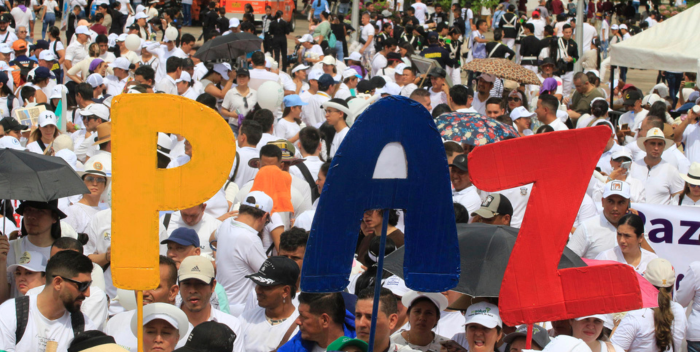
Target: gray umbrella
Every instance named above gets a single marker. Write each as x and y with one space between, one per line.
228 47
484 251
30 176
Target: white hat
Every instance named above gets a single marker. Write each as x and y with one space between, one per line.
660 273
603 99
258 200
140 8
484 314
437 298
46 118
614 27
165 311
306 38
32 261
112 39
396 285
233 23
315 74
82 30
349 72
164 144
5 49
595 72
299 68
98 166
140 15
615 187
607 319
328 60
662 89
69 157
47 55
9 142
654 133
355 56
391 88
196 267
487 77
222 69
184 76
268 62
520 112
653 98
330 104
99 110
623 26
692 177
95 80
122 37
398 70
621 152
565 343
562 115
121 62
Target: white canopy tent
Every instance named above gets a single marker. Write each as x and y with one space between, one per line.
672 45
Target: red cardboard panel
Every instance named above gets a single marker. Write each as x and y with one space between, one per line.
560 164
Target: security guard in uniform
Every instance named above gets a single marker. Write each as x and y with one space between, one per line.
435 51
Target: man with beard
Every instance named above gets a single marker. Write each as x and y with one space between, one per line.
53 317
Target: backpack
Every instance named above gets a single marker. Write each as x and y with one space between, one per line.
20 72
331 40
77 320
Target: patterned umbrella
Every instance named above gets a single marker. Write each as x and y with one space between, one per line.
504 68
472 128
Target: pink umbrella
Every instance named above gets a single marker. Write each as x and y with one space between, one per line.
649 292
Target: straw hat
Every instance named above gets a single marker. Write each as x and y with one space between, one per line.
104 133
693 175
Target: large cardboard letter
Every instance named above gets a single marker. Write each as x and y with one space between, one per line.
431 262
140 190
560 164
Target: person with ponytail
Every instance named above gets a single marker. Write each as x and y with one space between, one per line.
654 329
630 235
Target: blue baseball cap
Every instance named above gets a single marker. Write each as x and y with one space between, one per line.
42 72
326 80
183 236
293 100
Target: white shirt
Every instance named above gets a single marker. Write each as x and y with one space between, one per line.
539 27
24 246
636 330
76 52
604 161
604 30
343 92
229 320
245 255
260 335
479 105
421 9
469 198
615 254
22 18
337 140
94 306
312 114
691 138
557 125
259 76
245 172
39 329
368 30
634 122
587 210
408 89
518 197
266 137
233 101
79 216
660 183
115 86
450 323
9 37
167 85
686 202
378 62
313 163
204 229
589 32
636 190
689 291
108 57
286 130
438 98
593 236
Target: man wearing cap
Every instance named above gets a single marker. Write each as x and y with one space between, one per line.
271 322
436 52
117 81
245 255
47 59
439 90
599 234
196 280
84 139
460 99
183 242
547 106
350 79
13 128
522 120
260 75
631 121
163 53
196 219
582 98
309 52
615 171
313 113
496 210
6 36
516 341
464 192
661 179
387 319
484 85
78 49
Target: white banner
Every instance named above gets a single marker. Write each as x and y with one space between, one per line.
673 232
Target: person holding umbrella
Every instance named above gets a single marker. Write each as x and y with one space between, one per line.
423 314
43 136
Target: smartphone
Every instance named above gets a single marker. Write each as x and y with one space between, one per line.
625 126
626 165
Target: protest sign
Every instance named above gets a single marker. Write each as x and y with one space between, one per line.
29 116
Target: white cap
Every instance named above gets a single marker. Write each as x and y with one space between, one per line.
396 285
120 62
258 200
9 142
222 69
660 273
165 311
69 157
96 109
355 56
662 89
398 70
562 115
315 74
565 343
614 27
46 118
196 267
603 99
82 30
615 187
437 298
349 72
233 23
122 37
392 88
487 77
140 15
184 76
328 60
112 39
5 49
299 68
484 314
607 319
653 98
95 80
595 72
621 152
140 8
47 55
306 38
623 26
32 261
520 112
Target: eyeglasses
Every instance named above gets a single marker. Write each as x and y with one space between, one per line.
91 179
82 285
692 185
20 32
245 102
513 99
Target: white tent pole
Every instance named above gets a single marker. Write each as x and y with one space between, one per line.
355 19
580 9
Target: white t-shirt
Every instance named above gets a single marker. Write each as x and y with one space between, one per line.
286 130
204 229
589 32
660 183
94 306
689 291
260 335
245 173
468 16
479 105
604 30
378 62
259 76
312 114
615 254
337 140
22 18
313 163
76 52
691 138
228 320
24 246
437 98
234 101
51 5
469 198
450 323
636 330
368 30
421 9
592 237
79 216
39 331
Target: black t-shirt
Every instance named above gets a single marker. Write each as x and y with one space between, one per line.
338 30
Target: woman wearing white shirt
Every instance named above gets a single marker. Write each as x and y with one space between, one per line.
690 197
654 329
689 291
239 100
49 16
630 235
288 126
42 137
590 330
56 46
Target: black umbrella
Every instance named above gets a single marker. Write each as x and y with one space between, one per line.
228 47
31 176
484 251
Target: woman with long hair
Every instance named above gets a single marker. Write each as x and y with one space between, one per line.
219 74
6 96
630 236
41 138
56 46
654 329
424 310
690 197
592 330
288 126
591 57
371 227
516 98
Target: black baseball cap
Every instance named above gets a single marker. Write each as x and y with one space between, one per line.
547 61
209 336
437 72
631 97
276 271
40 44
365 86
460 162
5 18
539 335
494 204
242 72
10 124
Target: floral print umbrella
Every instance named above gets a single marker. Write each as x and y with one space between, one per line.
472 128
504 68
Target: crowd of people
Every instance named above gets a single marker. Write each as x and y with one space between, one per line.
244 294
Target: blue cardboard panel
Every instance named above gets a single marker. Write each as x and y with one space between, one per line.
432 255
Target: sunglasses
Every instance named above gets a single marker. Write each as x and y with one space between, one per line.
692 185
245 102
82 285
513 99
91 179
